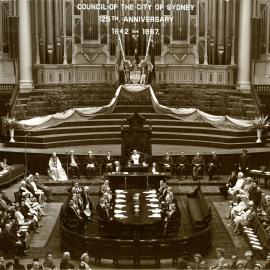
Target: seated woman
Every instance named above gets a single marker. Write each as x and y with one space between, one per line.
56 171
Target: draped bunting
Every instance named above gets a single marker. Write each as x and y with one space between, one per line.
183 114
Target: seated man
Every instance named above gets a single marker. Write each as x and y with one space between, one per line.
117 167
91 165
47 191
241 206
3 165
87 203
197 163
213 165
37 192
73 168
166 163
135 158
230 183
108 162
182 165
154 168
104 188
74 217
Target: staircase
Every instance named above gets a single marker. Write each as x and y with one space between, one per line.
166 129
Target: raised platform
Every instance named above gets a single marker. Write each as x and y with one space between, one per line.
106 129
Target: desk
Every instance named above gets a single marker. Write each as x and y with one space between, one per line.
14 172
257 174
135 180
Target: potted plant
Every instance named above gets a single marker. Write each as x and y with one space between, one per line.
11 124
260 123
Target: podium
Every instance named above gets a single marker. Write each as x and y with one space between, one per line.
135 136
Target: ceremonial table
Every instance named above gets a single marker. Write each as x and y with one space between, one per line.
133 180
136 214
258 174
11 174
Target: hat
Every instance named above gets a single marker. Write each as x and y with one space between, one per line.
240 262
84 255
267 197
90 152
71 151
244 196
258 265
268 256
250 203
248 253
221 250
198 256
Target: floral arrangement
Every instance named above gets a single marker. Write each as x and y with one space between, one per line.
11 122
261 122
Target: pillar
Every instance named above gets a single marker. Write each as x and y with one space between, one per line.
220 32
1 32
244 42
25 47
50 32
37 31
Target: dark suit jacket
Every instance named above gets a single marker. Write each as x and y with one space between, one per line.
244 161
102 214
87 200
106 160
166 161
182 160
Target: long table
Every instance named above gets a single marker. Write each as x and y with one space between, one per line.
258 175
135 180
14 172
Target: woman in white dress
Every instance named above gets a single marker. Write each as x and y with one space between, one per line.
56 171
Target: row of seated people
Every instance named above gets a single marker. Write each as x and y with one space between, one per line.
48 263
248 206
246 261
19 219
92 165
170 212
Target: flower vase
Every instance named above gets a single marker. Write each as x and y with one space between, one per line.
259 135
11 135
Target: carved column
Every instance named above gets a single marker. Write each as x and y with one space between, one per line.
57 23
25 47
1 31
213 31
42 32
244 45
37 31
233 33
206 34
64 34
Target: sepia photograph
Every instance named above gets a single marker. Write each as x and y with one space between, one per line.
134 134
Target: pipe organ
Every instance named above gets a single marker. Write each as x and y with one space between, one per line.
203 37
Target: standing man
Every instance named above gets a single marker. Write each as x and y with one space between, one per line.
197 163
213 165
244 162
182 164
91 165
135 158
73 166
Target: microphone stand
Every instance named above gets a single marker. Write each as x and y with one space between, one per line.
25 156
100 176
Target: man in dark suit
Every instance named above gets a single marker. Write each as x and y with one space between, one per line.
73 166
47 191
108 162
197 163
65 262
213 165
244 162
74 216
166 163
172 221
182 164
103 213
91 165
